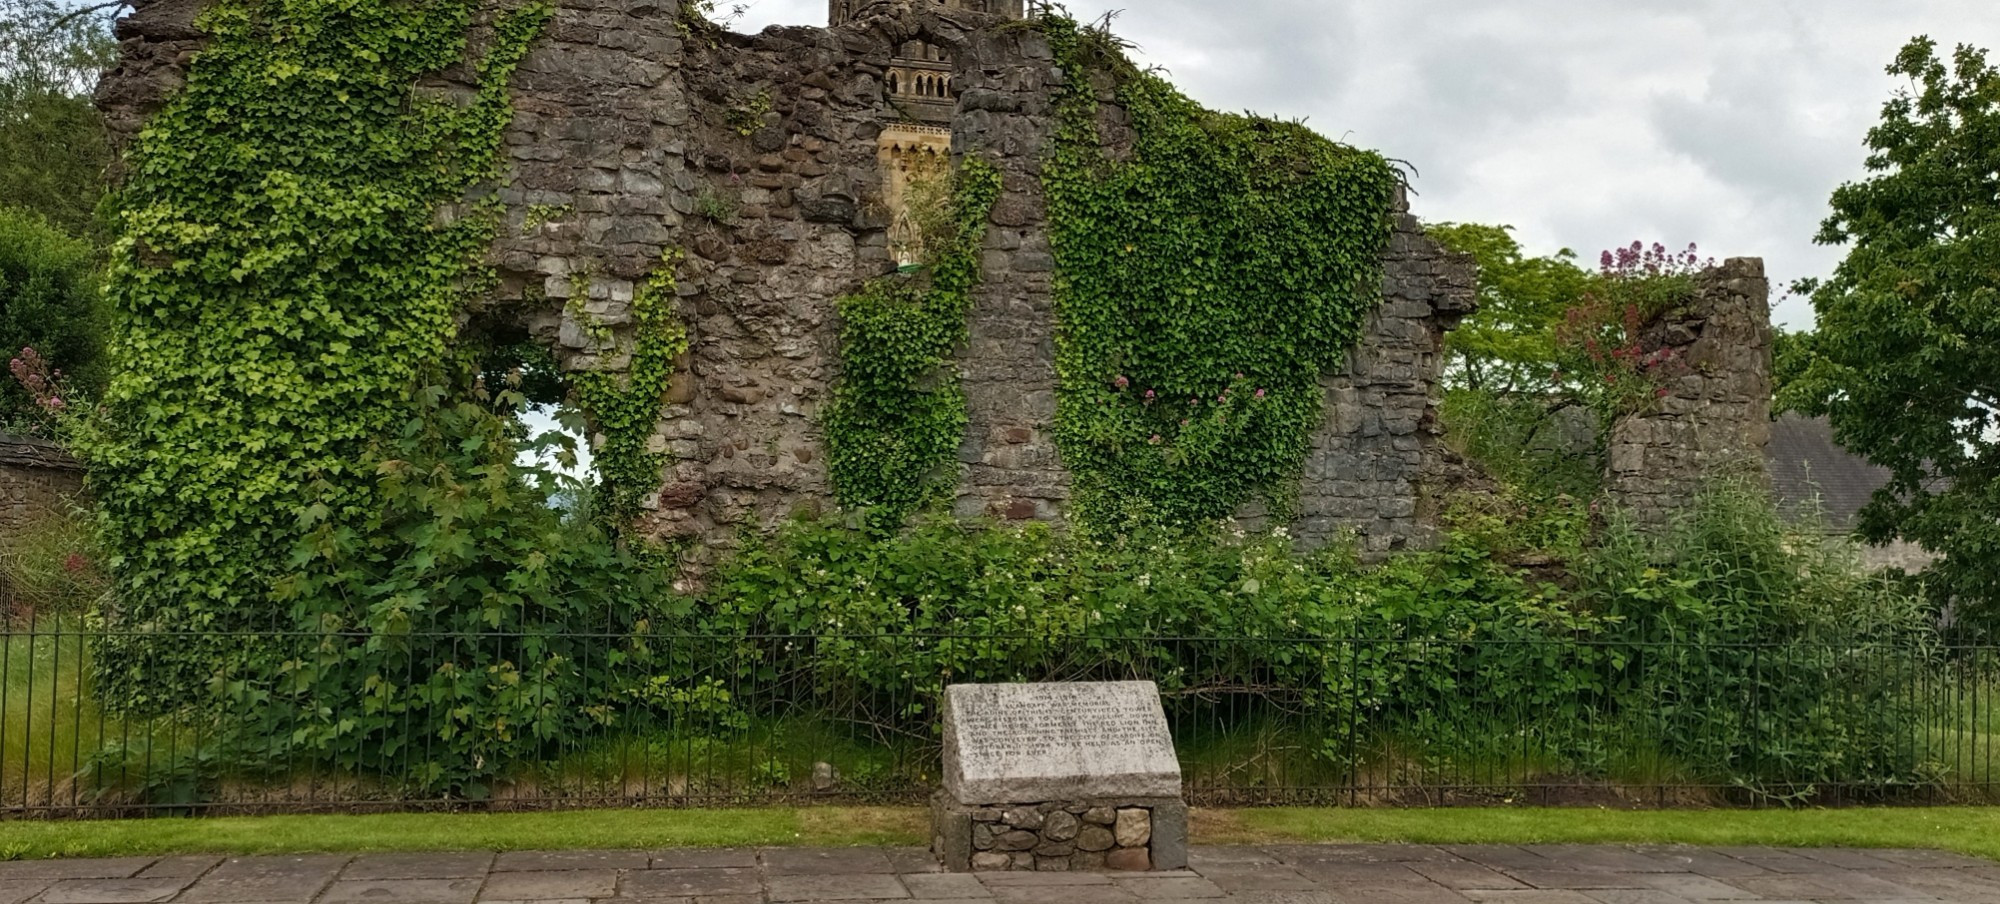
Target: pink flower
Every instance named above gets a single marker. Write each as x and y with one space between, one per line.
1260 393
1151 395
1184 422
1661 393
1122 383
1156 440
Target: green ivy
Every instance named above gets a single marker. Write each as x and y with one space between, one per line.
626 408
898 413
295 255
1204 287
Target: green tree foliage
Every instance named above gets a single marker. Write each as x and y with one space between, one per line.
50 302
1792 353
1537 377
1205 285
1510 344
294 258
1907 359
53 149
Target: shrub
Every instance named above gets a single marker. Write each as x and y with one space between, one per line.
1759 651
1547 446
1211 617
50 303
477 612
468 627
1746 655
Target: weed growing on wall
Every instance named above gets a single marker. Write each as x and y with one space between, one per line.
294 254
1205 285
898 412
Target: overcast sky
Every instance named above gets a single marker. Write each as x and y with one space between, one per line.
1583 123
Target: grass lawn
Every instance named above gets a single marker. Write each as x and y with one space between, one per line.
1974 831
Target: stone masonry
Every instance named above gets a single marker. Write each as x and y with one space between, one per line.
1713 419
1070 836
760 159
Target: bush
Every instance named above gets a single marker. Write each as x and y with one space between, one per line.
1763 652
1543 445
468 627
50 302
1744 654
1228 619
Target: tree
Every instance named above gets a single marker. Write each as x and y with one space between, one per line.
53 148
1510 344
1907 360
1792 354
49 301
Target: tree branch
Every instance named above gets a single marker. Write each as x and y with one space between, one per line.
76 14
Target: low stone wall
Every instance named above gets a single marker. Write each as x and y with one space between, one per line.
1123 835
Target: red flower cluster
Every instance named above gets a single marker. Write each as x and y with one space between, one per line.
1639 261
44 385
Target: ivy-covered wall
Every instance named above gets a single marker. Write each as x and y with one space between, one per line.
657 167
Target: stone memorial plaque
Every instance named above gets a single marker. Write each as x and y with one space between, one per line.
1012 743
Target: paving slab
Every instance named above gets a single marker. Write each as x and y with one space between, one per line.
15 891
265 880
544 862
838 887
688 883
184 867
833 862
719 858
1466 874
113 891
419 866
945 886
121 868
1149 888
402 891
550 885
1283 874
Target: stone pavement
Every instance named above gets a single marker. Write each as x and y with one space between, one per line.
1300 874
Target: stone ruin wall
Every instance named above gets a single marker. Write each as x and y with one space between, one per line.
1714 416
760 157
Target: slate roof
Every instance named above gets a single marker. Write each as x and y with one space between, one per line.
1806 464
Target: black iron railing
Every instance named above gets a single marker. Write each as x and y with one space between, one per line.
97 722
